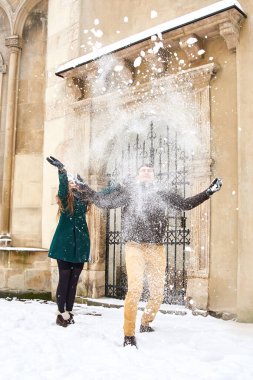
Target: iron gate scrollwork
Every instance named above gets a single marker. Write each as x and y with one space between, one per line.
169 161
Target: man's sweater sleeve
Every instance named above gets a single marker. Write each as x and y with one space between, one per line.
107 198
181 203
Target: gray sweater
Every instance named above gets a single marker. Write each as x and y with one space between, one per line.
143 208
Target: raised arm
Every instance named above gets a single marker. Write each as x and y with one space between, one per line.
110 197
181 203
63 178
63 185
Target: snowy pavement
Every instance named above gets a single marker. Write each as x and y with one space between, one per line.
33 347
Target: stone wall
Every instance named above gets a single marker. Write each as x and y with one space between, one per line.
24 271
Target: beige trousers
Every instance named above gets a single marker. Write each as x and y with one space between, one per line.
150 258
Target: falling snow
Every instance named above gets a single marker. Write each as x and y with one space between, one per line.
153 14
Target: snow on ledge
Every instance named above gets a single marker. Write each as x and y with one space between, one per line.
23 249
178 22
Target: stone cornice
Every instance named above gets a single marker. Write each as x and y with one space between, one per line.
225 24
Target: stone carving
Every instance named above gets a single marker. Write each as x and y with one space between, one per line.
199 77
192 46
76 87
157 62
230 32
14 43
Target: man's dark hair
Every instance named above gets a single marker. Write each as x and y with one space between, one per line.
146 165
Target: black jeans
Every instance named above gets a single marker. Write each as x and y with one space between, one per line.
68 278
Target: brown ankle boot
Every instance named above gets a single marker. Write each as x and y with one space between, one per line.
62 319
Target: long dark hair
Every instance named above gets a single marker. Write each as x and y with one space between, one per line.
70 204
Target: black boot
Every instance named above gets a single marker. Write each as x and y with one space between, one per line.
144 328
129 341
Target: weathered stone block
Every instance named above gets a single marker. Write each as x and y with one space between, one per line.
23 91
30 116
39 280
29 164
4 258
92 284
15 279
16 260
30 141
26 220
2 278
30 194
26 239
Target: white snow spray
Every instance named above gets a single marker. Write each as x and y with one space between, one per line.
125 100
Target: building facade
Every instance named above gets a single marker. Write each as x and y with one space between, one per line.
186 65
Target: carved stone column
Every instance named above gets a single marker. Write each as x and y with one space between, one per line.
14 44
198 271
93 277
3 238
2 71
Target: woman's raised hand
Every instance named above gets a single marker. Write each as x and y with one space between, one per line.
53 161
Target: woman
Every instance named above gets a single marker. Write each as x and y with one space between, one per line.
70 245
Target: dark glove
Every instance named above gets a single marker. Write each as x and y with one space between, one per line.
80 183
215 186
53 161
79 178
79 195
83 192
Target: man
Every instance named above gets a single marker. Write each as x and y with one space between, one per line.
143 225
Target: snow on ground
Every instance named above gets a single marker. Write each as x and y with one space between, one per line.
33 347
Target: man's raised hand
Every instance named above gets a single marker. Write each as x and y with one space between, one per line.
215 186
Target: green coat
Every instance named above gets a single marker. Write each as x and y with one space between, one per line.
71 240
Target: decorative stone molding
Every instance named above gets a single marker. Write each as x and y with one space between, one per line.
14 43
100 77
157 62
199 77
226 24
96 223
198 270
76 87
120 75
230 31
196 78
200 220
192 46
97 226
83 106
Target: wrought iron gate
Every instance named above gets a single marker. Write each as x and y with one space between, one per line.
169 161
